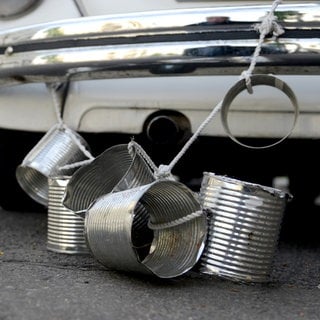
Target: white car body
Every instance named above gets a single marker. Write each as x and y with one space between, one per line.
122 105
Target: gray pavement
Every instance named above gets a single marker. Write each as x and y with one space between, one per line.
38 284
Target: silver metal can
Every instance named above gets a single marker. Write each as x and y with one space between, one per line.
244 221
56 149
131 230
65 229
113 170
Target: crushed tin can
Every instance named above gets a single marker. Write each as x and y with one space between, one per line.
113 170
158 228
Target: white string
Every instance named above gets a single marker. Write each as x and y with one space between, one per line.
56 103
76 164
176 222
61 125
164 170
267 25
134 145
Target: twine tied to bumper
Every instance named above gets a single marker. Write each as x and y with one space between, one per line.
268 25
57 103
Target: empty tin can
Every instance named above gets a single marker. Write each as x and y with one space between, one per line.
56 149
65 229
117 228
113 170
243 228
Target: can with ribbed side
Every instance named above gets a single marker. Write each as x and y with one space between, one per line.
156 228
244 221
60 146
114 170
65 228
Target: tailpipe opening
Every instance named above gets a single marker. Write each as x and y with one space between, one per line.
167 127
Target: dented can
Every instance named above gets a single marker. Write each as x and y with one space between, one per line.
244 221
146 229
113 170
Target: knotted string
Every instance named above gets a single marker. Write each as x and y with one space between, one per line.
267 26
165 170
135 147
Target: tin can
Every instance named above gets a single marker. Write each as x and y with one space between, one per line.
65 228
56 149
113 170
244 222
132 230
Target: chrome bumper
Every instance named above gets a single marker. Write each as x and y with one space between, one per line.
209 41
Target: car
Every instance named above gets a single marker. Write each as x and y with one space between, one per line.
154 72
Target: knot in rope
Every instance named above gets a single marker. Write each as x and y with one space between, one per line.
130 148
164 172
246 74
269 25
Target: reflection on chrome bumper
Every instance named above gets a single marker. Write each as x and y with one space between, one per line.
177 42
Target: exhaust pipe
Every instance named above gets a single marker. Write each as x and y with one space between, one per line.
205 41
167 127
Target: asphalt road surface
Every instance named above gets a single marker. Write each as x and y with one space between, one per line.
39 284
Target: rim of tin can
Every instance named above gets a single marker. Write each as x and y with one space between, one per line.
193 232
62 177
38 193
31 177
268 189
93 178
258 79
